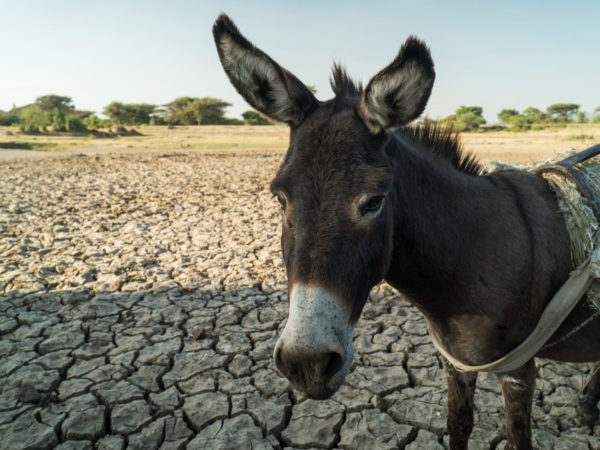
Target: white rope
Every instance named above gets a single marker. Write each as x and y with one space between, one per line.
556 311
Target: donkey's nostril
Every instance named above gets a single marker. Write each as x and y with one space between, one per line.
334 364
277 358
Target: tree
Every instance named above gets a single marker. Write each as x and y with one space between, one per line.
596 118
8 118
254 118
468 118
116 112
506 115
196 111
209 111
129 113
55 102
32 119
562 111
534 115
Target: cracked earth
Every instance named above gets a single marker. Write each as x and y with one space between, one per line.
140 300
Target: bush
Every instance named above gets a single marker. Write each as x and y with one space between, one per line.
32 119
74 124
8 118
254 118
506 115
129 113
468 118
198 111
230 121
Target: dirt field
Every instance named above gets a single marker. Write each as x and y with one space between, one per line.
142 292
512 147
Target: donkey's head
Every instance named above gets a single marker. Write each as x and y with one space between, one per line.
335 190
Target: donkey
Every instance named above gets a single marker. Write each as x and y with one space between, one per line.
365 200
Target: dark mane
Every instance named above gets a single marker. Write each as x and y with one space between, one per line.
343 86
444 142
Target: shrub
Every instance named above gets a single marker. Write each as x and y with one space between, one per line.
506 115
74 124
8 118
197 111
230 121
254 118
32 119
468 118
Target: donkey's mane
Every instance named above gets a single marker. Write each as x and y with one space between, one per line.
443 141
343 86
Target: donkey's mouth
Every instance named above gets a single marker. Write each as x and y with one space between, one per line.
321 393
317 390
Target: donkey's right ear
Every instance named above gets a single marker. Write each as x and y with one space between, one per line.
264 84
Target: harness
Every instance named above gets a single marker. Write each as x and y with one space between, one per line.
569 167
566 298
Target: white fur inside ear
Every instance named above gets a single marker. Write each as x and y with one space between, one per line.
396 96
247 67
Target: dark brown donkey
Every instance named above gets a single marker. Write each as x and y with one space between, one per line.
363 201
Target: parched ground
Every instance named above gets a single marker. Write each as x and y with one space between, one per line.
140 300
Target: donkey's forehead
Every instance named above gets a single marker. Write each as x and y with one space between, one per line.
337 150
334 134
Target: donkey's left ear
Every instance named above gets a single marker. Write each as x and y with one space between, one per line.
399 93
264 84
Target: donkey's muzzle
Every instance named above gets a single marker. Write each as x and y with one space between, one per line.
315 350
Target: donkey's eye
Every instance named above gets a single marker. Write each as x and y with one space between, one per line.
373 204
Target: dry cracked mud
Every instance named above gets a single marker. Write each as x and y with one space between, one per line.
140 300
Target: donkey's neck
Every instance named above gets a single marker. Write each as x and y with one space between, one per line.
437 211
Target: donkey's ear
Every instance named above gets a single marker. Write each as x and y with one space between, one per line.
264 84
399 93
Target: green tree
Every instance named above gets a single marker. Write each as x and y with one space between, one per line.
254 118
129 113
8 118
178 111
75 124
469 118
534 115
596 118
197 111
209 111
32 119
506 115
55 102
562 111
116 112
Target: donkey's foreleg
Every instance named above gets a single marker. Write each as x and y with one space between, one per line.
588 403
517 393
461 390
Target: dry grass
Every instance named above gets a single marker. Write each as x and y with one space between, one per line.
531 146
512 147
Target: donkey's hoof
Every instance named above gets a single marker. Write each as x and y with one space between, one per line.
587 412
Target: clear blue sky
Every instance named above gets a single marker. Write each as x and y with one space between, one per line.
502 54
